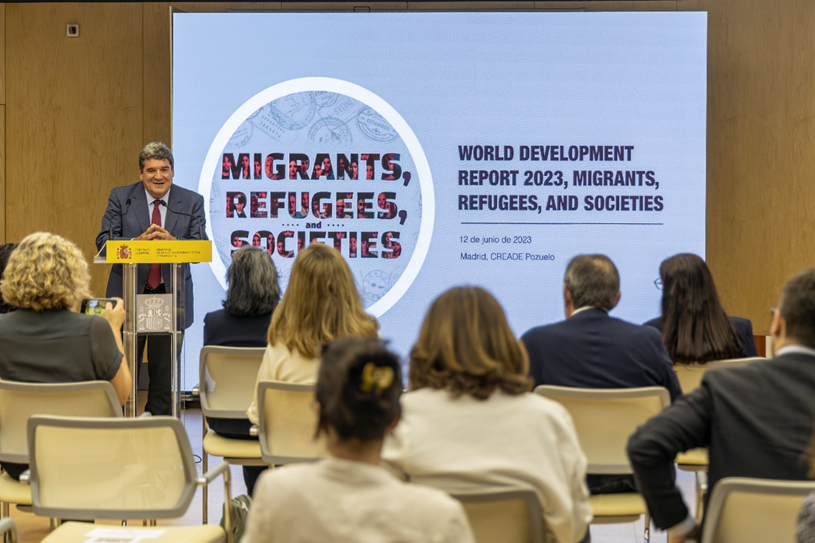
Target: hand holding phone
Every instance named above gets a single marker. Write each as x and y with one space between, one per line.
96 306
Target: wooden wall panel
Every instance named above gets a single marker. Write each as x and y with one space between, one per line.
761 148
74 117
2 174
157 73
2 123
2 54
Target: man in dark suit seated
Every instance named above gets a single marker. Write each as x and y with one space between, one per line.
756 420
591 349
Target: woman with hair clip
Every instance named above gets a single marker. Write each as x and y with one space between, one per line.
348 497
470 420
695 327
321 303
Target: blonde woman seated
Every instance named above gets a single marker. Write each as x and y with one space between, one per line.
348 497
46 340
321 303
470 419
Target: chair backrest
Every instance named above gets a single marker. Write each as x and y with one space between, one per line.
509 514
227 377
287 422
92 468
746 510
605 418
690 375
20 401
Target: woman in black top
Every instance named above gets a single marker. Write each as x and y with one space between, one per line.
251 298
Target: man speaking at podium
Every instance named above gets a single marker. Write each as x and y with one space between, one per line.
153 209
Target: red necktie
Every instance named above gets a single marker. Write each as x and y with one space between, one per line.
154 277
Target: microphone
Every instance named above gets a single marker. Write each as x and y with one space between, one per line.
110 226
200 231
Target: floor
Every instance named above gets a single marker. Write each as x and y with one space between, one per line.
34 529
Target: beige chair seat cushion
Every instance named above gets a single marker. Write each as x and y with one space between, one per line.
75 532
693 460
12 491
614 505
225 447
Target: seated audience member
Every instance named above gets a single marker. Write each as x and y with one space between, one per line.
805 529
592 349
45 340
251 297
755 421
695 327
5 253
348 497
321 303
471 421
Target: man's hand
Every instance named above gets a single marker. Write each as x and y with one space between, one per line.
693 535
156 232
115 315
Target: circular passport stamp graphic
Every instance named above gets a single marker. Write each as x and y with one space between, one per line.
294 111
324 98
375 285
242 136
352 176
374 127
329 130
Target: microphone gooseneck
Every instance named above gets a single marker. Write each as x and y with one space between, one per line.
110 223
171 210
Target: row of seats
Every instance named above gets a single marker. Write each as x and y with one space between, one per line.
603 420
87 462
136 461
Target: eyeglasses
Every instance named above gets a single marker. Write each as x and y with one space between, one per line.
658 283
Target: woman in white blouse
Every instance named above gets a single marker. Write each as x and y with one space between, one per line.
470 419
348 497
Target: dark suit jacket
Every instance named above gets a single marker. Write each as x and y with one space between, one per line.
756 422
744 331
221 328
137 220
594 350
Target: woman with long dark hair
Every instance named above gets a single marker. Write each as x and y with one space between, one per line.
695 327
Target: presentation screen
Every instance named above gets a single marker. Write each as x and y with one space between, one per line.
443 149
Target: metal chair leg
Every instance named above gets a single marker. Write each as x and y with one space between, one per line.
647 535
701 490
5 512
205 468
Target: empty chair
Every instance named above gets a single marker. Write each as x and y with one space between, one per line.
20 401
226 388
288 422
746 510
604 419
510 514
690 375
92 468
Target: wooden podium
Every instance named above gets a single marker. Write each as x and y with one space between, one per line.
154 315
